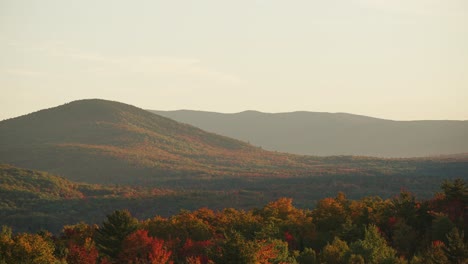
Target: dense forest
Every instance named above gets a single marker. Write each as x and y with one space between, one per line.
401 229
32 200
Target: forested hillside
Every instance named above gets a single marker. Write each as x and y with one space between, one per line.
103 141
108 142
402 229
324 134
33 200
98 141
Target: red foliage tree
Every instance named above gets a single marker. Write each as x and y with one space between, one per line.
288 237
86 253
196 250
138 247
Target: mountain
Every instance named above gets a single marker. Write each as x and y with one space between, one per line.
316 133
99 141
106 142
103 141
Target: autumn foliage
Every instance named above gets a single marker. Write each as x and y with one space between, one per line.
138 247
370 230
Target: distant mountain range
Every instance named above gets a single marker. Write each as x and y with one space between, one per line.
324 134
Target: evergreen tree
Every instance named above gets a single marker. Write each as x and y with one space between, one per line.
373 248
456 250
455 190
114 230
236 249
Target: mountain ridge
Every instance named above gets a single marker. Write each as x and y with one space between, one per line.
325 134
301 111
106 142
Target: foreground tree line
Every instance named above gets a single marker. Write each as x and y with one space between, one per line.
338 230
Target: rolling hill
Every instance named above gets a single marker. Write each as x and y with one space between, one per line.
100 141
33 200
316 133
106 142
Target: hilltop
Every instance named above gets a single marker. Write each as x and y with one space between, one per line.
325 134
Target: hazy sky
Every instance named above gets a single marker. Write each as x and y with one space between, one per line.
396 59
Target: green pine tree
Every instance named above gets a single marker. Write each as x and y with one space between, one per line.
113 231
456 250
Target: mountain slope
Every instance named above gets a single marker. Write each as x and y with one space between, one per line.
314 133
100 141
33 200
19 184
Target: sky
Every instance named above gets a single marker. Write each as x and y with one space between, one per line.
393 59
